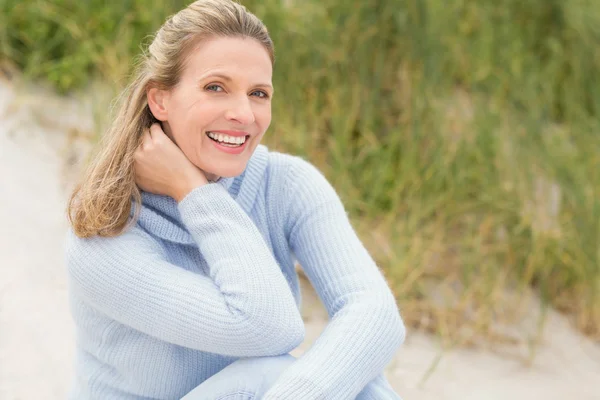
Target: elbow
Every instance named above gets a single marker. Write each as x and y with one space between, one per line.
276 334
283 336
294 332
399 331
390 326
394 326
290 337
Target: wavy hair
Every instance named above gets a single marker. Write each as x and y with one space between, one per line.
101 201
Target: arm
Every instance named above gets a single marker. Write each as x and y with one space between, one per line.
244 308
365 329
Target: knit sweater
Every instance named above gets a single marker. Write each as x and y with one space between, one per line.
193 286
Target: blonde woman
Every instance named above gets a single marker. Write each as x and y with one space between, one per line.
185 231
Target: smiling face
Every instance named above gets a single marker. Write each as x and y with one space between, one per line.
221 107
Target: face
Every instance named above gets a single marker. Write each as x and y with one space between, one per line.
219 111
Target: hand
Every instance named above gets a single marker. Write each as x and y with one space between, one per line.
162 168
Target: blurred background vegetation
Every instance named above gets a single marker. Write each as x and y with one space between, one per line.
463 136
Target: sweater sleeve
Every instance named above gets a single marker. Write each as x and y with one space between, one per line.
244 308
365 327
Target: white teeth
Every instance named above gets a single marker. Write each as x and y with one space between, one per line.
227 139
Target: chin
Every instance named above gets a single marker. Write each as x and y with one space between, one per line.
227 171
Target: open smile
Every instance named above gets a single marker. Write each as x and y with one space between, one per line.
228 144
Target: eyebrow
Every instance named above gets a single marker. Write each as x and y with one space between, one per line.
228 79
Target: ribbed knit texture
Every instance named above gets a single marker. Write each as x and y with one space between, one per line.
194 286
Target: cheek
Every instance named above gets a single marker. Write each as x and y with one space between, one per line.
263 117
190 123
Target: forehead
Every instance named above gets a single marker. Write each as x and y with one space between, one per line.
240 58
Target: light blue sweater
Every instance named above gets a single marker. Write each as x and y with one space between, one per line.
194 286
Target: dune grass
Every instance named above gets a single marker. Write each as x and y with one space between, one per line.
463 136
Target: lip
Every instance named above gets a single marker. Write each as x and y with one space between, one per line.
231 133
229 150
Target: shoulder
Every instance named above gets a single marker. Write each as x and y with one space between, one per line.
296 185
289 171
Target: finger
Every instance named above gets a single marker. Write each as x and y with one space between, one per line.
144 140
148 136
156 131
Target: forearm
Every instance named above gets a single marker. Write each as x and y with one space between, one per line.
242 308
355 347
240 262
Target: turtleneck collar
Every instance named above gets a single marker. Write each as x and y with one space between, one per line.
159 215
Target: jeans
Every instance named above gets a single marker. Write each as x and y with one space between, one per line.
251 378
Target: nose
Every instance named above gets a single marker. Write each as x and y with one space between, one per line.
241 111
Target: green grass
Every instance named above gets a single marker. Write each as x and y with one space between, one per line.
463 136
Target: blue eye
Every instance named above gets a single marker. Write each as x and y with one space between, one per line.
261 94
214 88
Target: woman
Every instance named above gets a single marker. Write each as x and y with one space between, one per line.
190 289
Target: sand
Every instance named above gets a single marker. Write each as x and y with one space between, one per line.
36 331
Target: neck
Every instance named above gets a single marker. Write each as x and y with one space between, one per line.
211 177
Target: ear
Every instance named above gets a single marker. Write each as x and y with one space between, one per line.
158 101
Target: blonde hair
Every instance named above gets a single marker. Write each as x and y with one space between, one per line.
100 203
